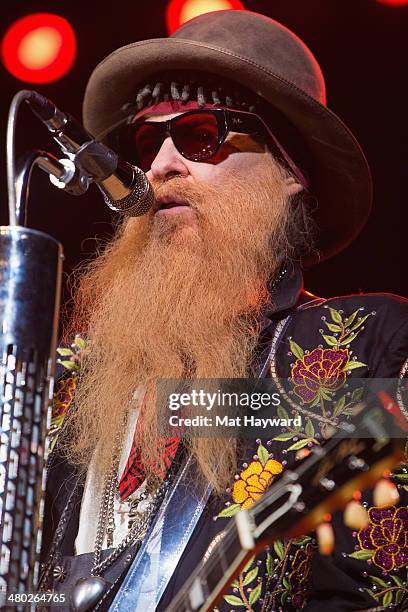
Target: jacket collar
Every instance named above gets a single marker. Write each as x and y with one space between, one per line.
285 294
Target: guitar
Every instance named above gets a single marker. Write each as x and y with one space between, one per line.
293 506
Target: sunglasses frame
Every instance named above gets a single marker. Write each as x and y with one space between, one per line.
228 120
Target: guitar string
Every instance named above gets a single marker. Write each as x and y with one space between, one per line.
230 534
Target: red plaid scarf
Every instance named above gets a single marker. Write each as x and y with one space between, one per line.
134 473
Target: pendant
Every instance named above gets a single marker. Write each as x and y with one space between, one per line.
87 592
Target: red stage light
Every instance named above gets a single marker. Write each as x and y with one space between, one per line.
180 11
394 2
39 48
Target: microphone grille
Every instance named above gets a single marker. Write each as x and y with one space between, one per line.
138 201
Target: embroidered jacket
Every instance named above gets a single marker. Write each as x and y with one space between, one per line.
320 346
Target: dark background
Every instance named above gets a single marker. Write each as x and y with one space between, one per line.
362 47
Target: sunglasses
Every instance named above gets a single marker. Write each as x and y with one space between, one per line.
197 135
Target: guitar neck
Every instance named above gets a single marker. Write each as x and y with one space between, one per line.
220 567
293 506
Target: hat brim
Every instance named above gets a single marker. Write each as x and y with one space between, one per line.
341 181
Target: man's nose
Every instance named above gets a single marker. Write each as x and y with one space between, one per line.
168 162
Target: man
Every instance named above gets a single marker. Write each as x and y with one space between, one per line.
253 178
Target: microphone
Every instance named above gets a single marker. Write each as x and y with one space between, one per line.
125 188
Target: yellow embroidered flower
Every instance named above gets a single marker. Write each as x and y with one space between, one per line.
254 481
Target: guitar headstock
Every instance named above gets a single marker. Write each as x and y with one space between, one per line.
355 457
323 482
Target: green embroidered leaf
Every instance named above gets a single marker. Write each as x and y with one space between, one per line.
248 565
352 365
298 445
279 549
284 597
285 583
263 454
360 322
339 406
398 581
349 339
378 582
230 510
255 594
387 599
350 319
309 429
330 340
251 576
235 584
401 477
269 564
335 315
357 394
80 342
333 327
65 352
349 412
362 555
301 541
405 487
326 394
315 402
399 595
296 349
233 600
282 414
70 365
284 437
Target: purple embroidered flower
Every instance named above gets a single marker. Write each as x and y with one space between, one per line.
387 535
320 370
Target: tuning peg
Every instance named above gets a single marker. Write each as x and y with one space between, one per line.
325 538
385 494
355 516
356 463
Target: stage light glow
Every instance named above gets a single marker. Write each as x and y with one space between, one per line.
394 2
39 48
180 11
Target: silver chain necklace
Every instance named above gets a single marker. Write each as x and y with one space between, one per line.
89 590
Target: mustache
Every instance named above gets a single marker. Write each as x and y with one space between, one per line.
180 188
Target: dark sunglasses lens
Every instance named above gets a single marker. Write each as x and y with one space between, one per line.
139 143
196 135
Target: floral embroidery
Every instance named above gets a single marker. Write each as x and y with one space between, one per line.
320 371
386 537
384 543
63 397
70 360
300 575
317 376
73 355
246 590
320 377
254 481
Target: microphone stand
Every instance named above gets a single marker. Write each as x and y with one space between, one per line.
30 283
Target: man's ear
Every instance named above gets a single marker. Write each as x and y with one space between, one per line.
292 186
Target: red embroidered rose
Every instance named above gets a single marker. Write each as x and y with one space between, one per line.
320 371
387 535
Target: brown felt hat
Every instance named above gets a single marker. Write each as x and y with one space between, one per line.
267 58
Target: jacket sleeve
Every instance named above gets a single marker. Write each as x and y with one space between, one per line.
340 582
